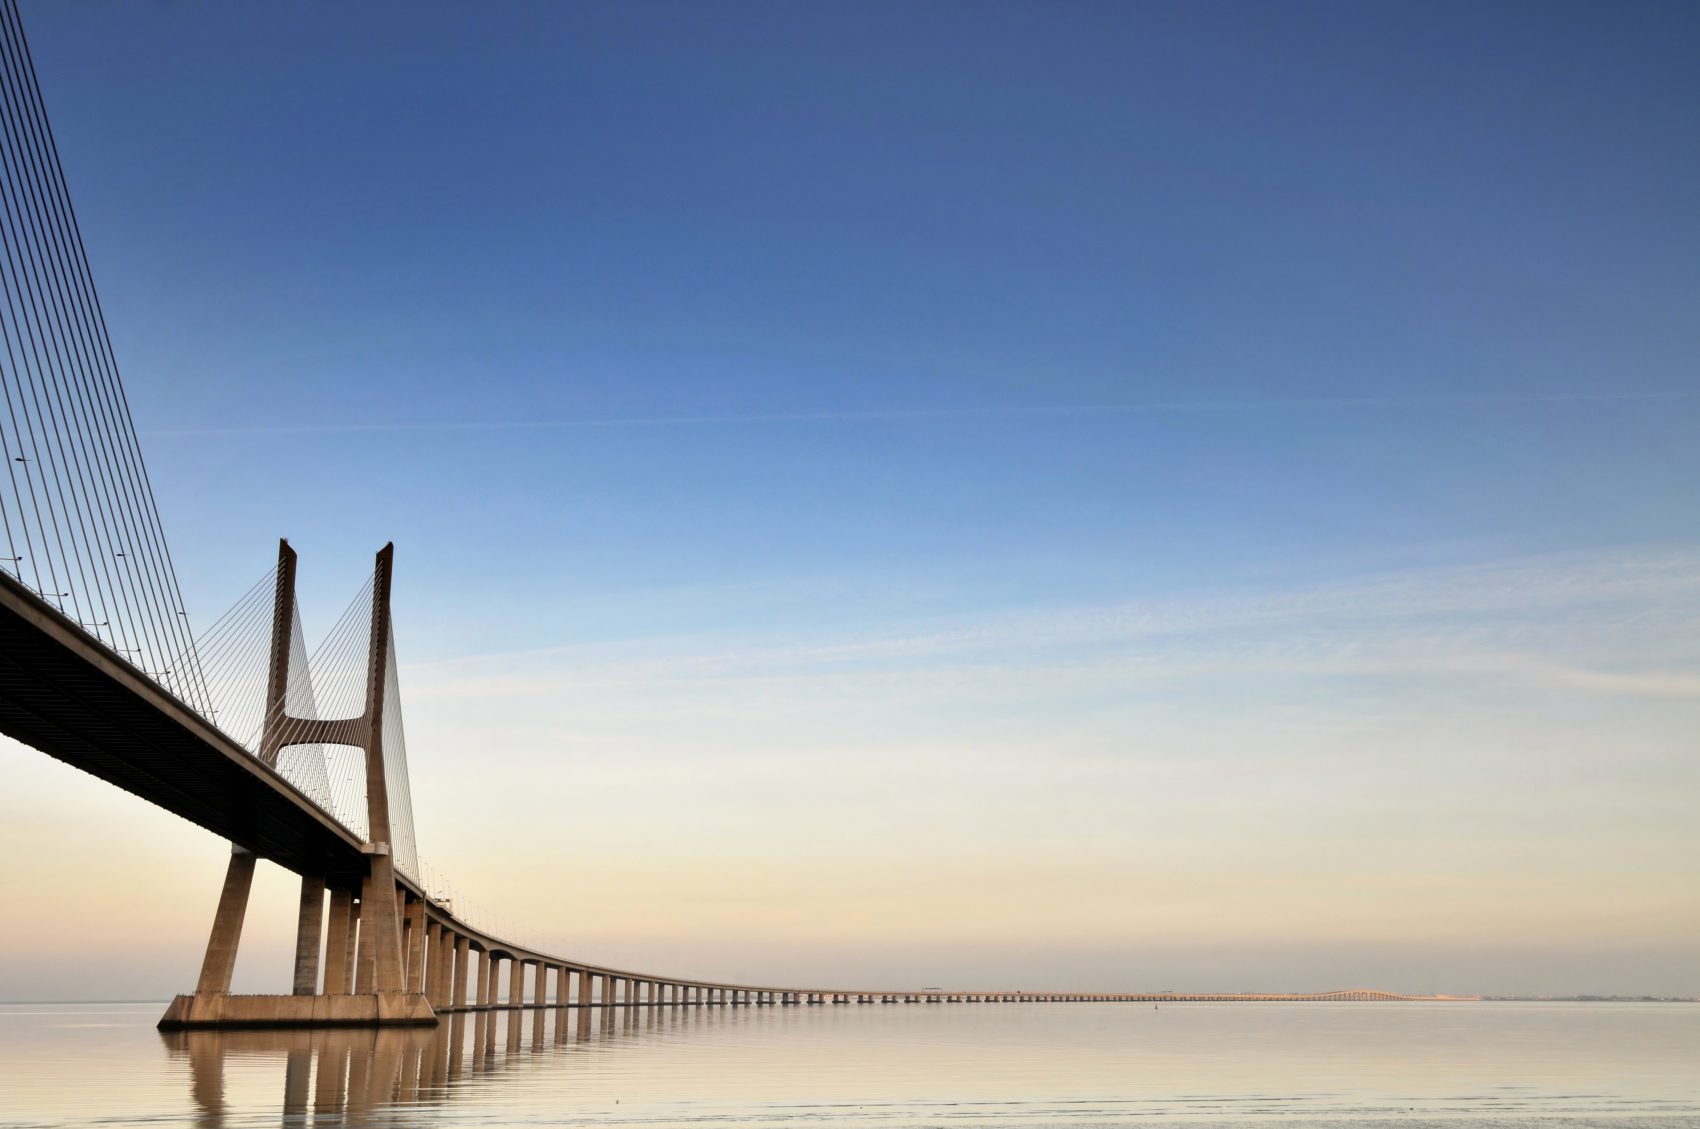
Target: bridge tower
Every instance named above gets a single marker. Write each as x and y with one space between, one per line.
365 969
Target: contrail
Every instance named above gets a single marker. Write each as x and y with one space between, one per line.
944 413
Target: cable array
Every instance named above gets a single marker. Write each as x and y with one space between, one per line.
81 527
77 511
305 766
404 848
328 685
321 690
233 662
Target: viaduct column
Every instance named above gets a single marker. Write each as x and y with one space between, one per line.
463 954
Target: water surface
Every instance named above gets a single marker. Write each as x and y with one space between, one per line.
993 1065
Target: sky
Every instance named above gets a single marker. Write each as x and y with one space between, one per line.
1195 496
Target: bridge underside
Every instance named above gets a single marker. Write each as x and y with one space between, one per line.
62 693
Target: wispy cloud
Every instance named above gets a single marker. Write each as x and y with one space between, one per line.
1456 748
1606 623
879 415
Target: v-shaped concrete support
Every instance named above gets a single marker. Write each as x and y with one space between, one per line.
381 994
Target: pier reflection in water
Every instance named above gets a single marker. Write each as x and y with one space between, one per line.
342 1076
1018 1066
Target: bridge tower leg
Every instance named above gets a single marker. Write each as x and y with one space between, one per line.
220 960
309 925
339 942
383 991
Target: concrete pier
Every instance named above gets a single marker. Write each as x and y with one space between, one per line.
372 1009
388 978
309 924
220 961
463 955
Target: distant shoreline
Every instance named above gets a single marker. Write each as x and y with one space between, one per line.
1592 999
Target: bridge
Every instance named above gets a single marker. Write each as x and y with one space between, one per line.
402 958
292 757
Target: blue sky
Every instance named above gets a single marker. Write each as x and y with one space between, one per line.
769 340
438 214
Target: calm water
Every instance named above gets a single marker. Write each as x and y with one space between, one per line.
999 1065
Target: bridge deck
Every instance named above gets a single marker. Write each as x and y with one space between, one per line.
69 696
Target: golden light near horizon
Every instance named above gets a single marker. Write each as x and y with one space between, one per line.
1107 801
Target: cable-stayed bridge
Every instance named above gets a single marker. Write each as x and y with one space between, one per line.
293 756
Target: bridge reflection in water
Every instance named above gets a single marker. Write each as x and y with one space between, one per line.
894 1067
362 1076
365 1075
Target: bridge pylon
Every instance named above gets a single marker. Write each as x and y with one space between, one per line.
366 971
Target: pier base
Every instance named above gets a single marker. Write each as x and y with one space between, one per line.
369 1009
